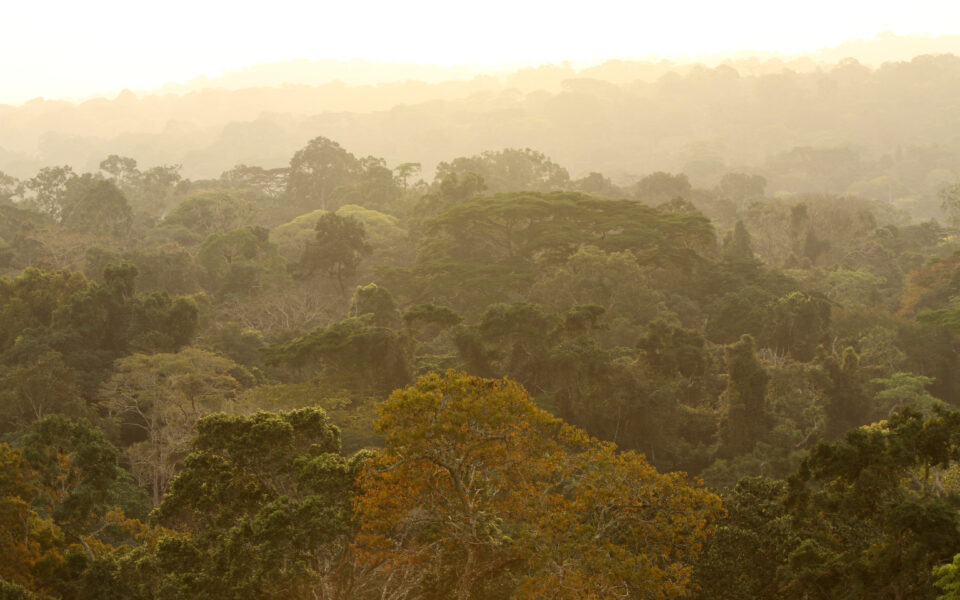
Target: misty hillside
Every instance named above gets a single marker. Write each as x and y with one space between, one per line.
842 127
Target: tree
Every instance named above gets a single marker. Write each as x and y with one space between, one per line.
121 169
95 206
374 186
12 591
261 510
65 508
158 399
493 247
950 202
377 302
339 246
612 280
30 542
47 190
406 170
874 512
509 170
737 246
797 324
846 402
366 354
269 182
597 185
10 187
740 562
661 187
240 262
80 481
30 392
204 213
156 189
318 170
477 488
90 325
747 418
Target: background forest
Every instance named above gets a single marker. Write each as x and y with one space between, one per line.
746 278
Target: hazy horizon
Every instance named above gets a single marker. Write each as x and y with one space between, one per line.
95 51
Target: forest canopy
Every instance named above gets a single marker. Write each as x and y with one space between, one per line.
608 336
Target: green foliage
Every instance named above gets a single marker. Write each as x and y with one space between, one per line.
441 316
948 579
351 348
624 317
375 186
669 349
261 510
12 591
293 236
661 187
47 190
847 404
352 411
797 324
509 170
611 280
95 206
317 171
737 245
747 417
167 268
90 325
737 313
337 249
482 250
238 343
875 517
240 262
945 318
740 560
905 389
375 303
204 213
78 470
158 398
32 391
932 352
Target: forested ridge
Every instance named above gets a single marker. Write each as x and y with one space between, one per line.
884 132
342 378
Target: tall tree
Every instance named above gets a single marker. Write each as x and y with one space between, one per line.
339 246
96 206
477 488
158 398
261 510
747 417
318 170
47 190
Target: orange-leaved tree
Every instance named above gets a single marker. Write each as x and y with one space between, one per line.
479 491
30 542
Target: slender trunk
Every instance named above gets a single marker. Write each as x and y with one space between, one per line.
466 579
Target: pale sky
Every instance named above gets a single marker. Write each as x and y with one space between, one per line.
76 49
